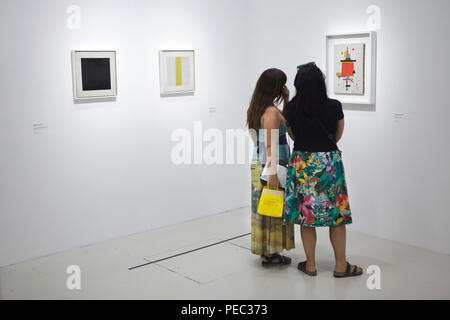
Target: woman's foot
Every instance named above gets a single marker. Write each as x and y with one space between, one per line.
274 259
347 270
307 268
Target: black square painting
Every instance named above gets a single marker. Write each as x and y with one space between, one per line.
96 74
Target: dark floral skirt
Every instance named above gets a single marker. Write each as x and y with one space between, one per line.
316 191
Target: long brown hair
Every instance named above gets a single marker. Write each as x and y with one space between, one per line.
268 91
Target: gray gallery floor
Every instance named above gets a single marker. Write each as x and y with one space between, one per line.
224 271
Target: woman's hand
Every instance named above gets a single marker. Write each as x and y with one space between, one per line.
273 181
285 93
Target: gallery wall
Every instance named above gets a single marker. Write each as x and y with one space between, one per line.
96 171
396 154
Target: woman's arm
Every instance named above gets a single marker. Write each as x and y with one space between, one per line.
290 132
340 129
286 94
271 122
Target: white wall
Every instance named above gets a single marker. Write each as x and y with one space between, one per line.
102 170
398 172
95 173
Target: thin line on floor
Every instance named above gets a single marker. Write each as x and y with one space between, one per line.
186 252
234 244
168 269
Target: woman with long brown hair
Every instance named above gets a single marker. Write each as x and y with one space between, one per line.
269 235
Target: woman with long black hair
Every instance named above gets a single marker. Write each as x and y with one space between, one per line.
316 191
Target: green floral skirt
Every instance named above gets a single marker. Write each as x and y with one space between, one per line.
316 191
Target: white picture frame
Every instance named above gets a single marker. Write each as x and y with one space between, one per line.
98 68
177 71
368 38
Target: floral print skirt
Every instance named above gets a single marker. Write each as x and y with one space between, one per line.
316 191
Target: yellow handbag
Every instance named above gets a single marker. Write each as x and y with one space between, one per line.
271 202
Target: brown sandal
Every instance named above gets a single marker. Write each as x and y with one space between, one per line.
347 272
280 260
302 267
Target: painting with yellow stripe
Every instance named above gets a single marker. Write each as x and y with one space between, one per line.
177 71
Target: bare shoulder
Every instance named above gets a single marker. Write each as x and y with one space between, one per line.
271 117
272 112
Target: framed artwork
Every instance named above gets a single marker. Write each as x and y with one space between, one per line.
351 67
94 74
177 71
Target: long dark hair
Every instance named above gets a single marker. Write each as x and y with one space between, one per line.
311 95
268 91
